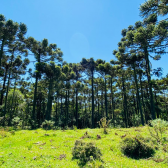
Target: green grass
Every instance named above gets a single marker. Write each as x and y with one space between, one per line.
35 149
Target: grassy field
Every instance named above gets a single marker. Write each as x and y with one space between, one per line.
38 148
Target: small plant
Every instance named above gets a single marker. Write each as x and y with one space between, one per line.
158 128
86 135
11 129
29 146
74 127
66 128
3 133
57 128
94 164
103 123
84 151
27 127
47 124
12 132
17 122
135 147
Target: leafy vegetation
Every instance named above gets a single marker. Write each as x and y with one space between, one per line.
136 147
158 128
86 152
104 124
32 148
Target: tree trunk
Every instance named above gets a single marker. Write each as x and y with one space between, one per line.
34 101
3 88
106 99
112 101
1 51
125 101
50 97
6 97
76 117
92 102
140 76
152 108
137 89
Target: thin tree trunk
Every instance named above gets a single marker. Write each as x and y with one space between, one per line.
92 102
49 104
125 101
34 101
6 97
112 100
1 51
3 88
152 108
76 108
137 89
140 77
106 99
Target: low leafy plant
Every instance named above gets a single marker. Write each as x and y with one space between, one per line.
94 164
27 127
29 146
47 124
84 151
103 123
158 127
74 127
11 129
57 128
86 135
16 122
66 128
3 133
135 147
12 132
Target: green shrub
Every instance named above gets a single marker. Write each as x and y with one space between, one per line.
11 129
94 164
57 128
3 133
135 147
103 123
47 124
158 127
29 146
74 127
84 151
27 127
12 132
17 122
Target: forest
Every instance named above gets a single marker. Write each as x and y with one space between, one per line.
126 90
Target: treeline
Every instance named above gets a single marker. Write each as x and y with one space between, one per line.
125 90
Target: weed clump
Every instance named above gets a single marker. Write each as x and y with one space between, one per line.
3 133
84 151
47 124
103 123
135 147
12 132
158 127
86 135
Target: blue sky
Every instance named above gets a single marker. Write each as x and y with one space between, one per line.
81 28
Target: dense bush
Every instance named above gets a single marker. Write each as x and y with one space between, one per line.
85 151
47 124
135 147
158 127
17 122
